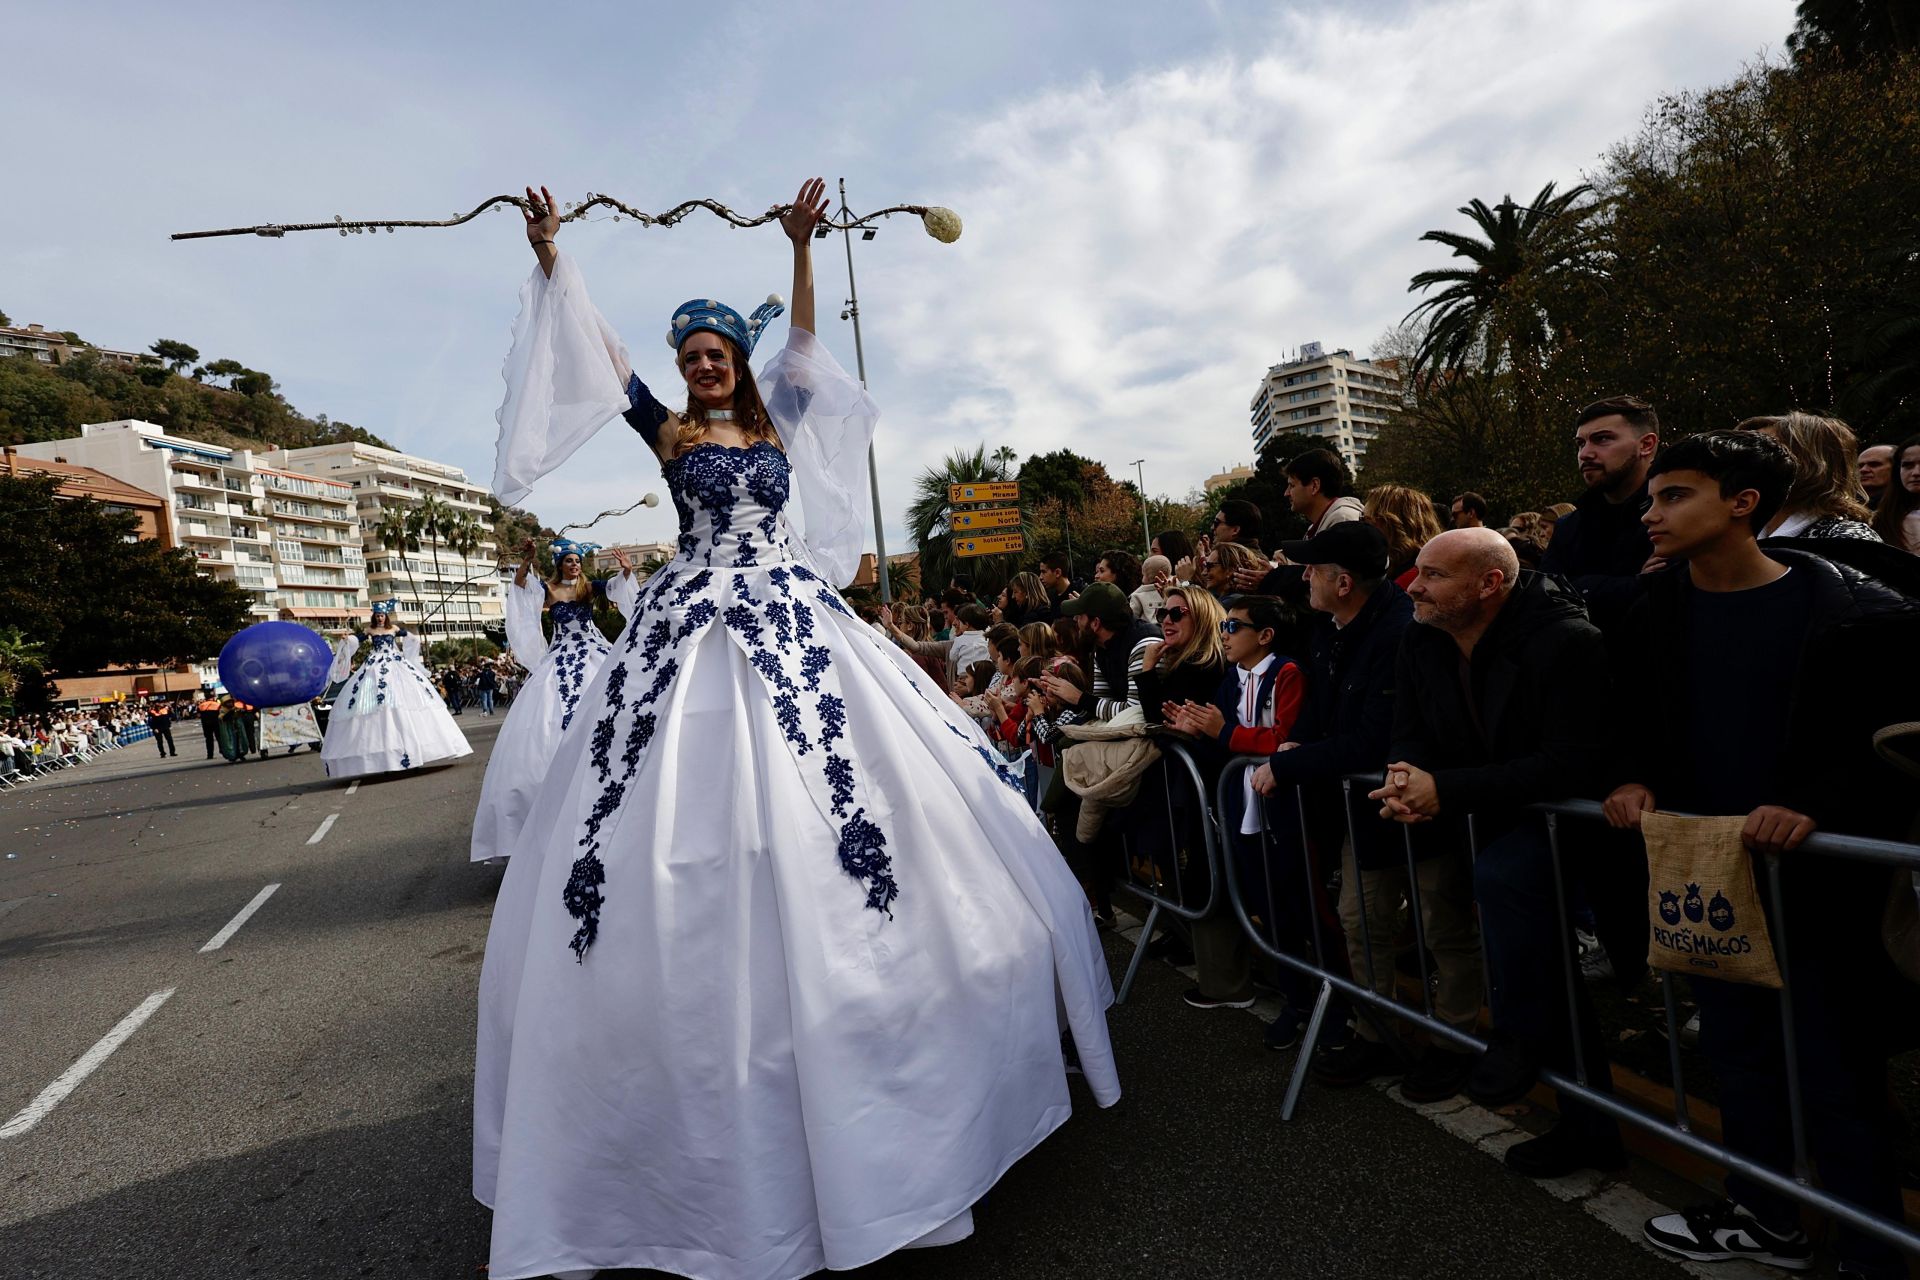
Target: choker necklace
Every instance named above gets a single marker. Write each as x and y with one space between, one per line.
720 415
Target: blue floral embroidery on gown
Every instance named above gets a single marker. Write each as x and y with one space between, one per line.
729 500
575 640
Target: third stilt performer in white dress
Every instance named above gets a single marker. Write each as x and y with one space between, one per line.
558 672
388 717
779 969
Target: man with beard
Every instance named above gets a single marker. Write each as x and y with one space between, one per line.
1600 547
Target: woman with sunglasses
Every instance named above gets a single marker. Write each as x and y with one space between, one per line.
1188 664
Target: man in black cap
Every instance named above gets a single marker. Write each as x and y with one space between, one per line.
1122 641
1346 727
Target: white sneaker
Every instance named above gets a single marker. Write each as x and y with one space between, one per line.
1718 1232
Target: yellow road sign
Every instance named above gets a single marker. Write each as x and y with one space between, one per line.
990 544
994 491
991 518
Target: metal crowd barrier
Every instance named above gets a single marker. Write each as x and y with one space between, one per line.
1679 1131
1175 764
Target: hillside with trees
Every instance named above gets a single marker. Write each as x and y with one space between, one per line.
219 402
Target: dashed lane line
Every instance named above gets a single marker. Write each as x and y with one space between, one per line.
70 1079
320 832
232 927
353 786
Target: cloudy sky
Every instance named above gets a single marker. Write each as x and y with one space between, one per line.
1160 199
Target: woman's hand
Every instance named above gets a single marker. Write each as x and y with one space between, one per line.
805 212
1150 657
543 218
626 565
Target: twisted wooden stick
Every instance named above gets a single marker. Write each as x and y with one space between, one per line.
941 224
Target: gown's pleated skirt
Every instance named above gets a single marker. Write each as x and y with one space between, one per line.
388 717
751 1073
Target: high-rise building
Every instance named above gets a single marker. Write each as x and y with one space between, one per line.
444 591
317 548
1329 395
215 500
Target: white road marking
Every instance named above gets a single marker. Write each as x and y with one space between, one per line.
50 1097
219 939
320 832
353 786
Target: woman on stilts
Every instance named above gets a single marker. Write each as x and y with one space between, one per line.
387 717
558 673
783 974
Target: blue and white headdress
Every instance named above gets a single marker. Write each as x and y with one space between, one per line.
386 606
564 547
717 317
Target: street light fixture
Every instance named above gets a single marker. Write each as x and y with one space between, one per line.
1146 525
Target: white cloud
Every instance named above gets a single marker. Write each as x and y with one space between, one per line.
1159 200
1138 250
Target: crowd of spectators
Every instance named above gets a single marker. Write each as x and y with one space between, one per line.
1688 633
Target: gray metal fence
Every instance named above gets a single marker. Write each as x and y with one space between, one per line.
1679 1129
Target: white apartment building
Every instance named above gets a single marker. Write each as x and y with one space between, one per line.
215 499
317 548
461 594
1329 395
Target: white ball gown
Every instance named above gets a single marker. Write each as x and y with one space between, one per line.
388 716
778 972
558 673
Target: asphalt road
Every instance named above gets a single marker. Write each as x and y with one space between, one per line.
299 1104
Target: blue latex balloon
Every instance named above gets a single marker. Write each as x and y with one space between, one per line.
275 664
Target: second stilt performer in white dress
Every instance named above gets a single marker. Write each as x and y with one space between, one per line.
558 672
779 969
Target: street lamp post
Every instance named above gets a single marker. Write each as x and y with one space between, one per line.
1146 522
852 313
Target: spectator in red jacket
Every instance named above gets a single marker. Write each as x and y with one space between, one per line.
1252 714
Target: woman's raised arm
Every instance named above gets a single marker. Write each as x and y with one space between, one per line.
801 217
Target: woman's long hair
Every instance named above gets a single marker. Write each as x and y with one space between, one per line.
1175 545
749 410
1889 518
1039 641
1033 592
1202 648
1826 477
1405 517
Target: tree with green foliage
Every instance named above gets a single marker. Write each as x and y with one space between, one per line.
1848 33
929 520
76 581
175 355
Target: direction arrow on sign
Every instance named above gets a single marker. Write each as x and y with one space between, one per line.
994 491
990 544
991 518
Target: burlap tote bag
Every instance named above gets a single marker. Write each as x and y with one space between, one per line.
1702 902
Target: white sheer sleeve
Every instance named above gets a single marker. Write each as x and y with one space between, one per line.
524 637
566 378
410 649
826 420
623 590
343 658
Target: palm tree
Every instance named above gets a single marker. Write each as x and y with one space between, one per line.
437 521
1004 457
1495 309
463 539
399 531
18 655
929 520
